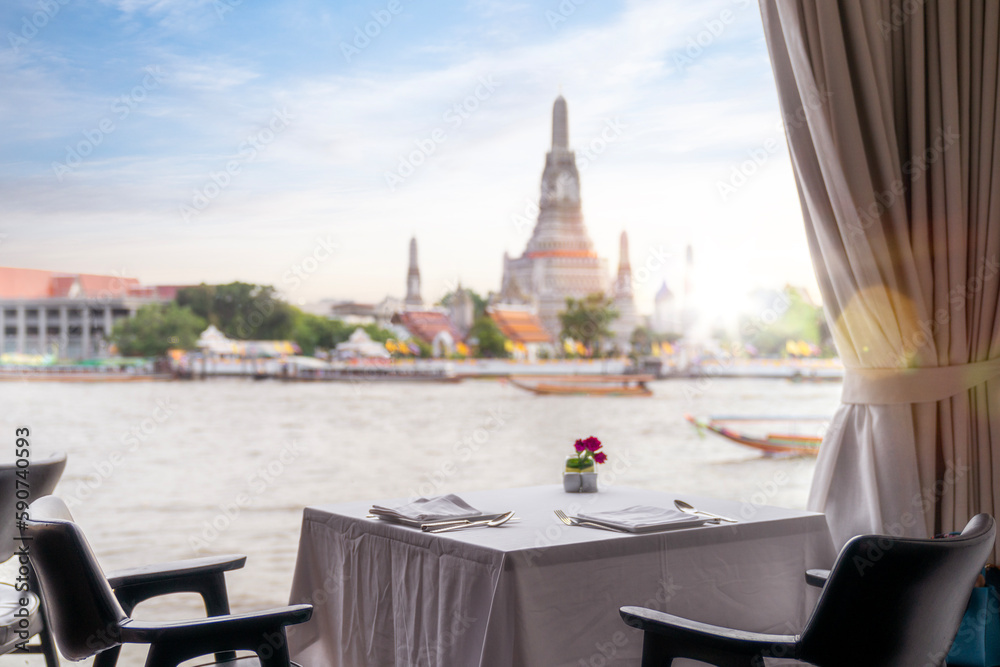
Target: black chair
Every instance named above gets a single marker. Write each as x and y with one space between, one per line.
888 602
19 485
204 576
87 619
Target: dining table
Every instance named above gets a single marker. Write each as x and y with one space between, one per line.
535 591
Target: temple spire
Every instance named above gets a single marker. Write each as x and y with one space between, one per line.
623 263
624 325
560 124
413 297
623 286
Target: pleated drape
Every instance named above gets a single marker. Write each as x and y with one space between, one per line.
893 127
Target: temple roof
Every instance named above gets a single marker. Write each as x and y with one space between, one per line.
520 326
426 324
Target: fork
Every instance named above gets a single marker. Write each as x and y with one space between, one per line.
571 521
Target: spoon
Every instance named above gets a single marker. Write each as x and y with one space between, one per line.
430 524
490 523
690 509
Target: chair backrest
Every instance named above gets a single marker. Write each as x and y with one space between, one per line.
24 483
80 606
893 602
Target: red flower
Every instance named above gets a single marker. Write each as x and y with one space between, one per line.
579 445
600 457
592 444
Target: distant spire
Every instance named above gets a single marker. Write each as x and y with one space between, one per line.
413 297
623 262
560 124
623 286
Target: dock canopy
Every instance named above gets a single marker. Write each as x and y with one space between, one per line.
213 341
361 345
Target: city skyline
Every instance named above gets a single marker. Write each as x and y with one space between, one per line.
229 142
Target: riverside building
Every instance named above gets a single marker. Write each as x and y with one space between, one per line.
68 315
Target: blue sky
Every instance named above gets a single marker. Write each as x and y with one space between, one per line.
181 141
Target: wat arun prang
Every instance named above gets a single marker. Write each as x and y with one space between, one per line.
559 260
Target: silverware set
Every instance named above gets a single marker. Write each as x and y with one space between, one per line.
442 527
573 521
448 525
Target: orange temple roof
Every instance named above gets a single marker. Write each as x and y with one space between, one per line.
520 326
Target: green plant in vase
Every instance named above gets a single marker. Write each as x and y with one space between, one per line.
587 455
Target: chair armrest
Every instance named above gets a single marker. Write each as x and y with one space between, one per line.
160 572
252 623
817 578
692 639
174 642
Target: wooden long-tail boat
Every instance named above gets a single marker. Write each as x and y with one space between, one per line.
584 385
769 443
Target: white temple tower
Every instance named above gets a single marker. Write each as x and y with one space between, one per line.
559 260
624 300
413 297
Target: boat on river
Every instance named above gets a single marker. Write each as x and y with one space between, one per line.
775 436
372 373
584 385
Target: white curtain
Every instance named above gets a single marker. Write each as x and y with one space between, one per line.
893 124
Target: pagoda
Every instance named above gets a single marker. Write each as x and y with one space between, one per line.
559 260
624 300
413 298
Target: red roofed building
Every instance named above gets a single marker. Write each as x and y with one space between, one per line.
524 329
67 314
432 327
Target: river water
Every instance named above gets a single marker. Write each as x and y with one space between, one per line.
170 470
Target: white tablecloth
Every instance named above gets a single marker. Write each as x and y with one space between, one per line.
538 592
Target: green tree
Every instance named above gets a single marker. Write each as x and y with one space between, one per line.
492 343
787 316
588 320
642 341
312 332
241 310
156 328
199 299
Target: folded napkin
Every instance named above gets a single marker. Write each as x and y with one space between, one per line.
643 517
430 509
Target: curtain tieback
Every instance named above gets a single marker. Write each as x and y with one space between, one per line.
884 386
